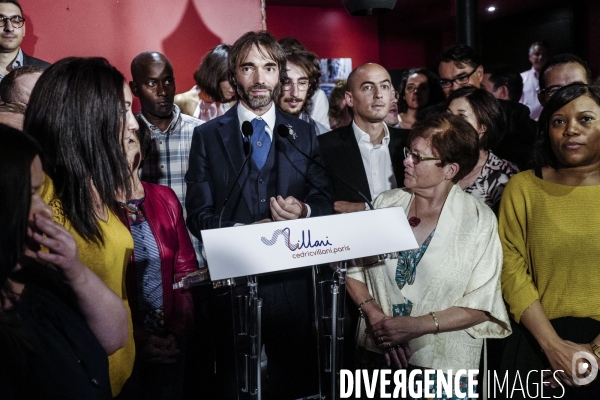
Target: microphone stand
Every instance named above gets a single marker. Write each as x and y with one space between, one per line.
284 132
334 359
247 308
247 130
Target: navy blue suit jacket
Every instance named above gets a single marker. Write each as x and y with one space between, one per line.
216 156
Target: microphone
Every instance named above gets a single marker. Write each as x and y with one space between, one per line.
284 132
247 131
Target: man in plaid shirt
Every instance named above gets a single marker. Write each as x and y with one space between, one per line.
171 131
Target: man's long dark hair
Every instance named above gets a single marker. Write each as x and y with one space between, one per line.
309 62
266 45
77 113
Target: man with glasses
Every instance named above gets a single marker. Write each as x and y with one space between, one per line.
303 73
367 153
13 31
562 70
459 66
319 109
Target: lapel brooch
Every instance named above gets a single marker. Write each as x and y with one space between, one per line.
292 133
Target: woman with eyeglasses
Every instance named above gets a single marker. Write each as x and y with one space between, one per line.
418 90
549 219
489 177
442 298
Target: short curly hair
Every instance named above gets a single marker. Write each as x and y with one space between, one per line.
452 139
309 63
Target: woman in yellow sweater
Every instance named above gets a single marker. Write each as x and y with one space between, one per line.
78 112
549 226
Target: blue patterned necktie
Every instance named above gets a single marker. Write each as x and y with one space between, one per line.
261 142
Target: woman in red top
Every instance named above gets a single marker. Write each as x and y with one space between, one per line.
163 254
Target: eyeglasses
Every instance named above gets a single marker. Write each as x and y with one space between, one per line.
550 90
16 21
459 80
416 158
302 85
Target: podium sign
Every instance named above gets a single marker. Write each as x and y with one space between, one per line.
276 246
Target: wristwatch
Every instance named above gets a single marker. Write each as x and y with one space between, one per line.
595 348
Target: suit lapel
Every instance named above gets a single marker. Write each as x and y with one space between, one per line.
231 136
355 161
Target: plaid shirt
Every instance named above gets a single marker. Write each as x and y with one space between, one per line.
167 160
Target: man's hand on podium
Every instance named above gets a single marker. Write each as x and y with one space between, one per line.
285 209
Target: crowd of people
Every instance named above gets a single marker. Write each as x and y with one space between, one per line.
498 174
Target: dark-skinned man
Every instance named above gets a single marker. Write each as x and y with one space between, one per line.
171 131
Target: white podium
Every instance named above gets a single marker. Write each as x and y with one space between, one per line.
256 249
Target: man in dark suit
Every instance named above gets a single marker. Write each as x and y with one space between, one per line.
13 31
459 66
367 153
278 184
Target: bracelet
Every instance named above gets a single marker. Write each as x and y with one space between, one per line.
371 300
437 324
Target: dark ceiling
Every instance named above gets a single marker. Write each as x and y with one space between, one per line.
423 14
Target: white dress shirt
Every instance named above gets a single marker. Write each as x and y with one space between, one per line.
245 114
320 108
376 160
531 85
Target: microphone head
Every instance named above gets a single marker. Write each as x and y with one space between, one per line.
247 129
283 130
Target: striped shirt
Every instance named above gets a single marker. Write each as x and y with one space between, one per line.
148 276
167 160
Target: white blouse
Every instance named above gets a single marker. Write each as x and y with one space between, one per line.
461 268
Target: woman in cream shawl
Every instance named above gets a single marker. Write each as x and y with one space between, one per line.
444 298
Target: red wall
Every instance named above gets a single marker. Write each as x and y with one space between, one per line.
328 32
401 52
183 30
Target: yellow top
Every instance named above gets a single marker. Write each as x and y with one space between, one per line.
109 262
550 236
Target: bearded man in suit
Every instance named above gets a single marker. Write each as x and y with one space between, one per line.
277 184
